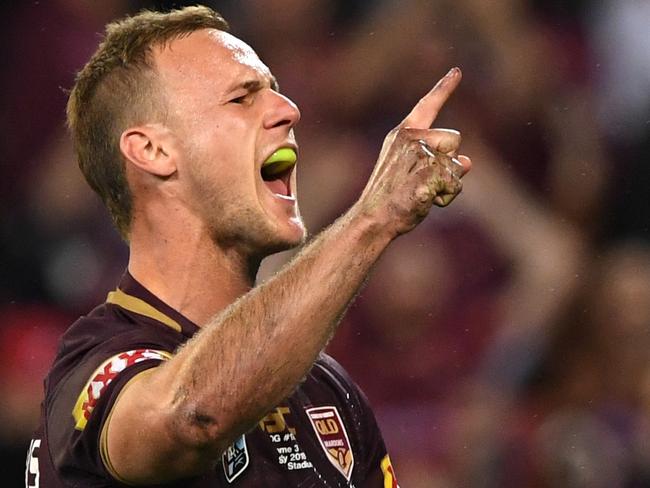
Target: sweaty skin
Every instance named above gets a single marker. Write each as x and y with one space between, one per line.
262 340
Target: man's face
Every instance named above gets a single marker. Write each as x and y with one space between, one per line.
224 107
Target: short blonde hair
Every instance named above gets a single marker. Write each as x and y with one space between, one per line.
117 89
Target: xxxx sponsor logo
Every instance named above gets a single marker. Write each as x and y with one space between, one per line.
284 440
333 438
275 421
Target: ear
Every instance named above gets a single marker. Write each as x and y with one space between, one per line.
151 148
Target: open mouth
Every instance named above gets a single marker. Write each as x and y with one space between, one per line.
276 171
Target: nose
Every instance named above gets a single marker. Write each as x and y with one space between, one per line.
282 111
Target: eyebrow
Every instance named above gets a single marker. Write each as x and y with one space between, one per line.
256 85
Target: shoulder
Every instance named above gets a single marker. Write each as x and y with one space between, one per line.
99 347
100 335
97 356
333 380
327 369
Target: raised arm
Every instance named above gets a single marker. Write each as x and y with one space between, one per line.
176 420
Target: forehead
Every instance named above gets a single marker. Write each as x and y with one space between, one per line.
209 55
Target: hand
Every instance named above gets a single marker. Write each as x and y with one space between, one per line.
417 166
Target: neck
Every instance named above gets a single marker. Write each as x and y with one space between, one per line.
189 272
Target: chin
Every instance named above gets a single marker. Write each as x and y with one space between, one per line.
292 235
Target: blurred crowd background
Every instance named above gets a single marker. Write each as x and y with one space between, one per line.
503 343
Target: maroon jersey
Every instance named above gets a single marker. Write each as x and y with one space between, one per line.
324 434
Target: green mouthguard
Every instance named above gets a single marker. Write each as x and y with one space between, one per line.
282 159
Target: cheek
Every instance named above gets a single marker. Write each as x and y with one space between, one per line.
222 154
223 181
222 160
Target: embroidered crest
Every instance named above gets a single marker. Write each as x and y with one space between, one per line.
333 437
235 460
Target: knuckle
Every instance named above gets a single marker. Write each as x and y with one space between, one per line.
401 134
448 146
451 136
452 132
414 144
405 134
414 153
422 194
455 188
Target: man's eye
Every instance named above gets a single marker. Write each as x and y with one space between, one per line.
241 99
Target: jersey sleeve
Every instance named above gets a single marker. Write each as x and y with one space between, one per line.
374 464
81 404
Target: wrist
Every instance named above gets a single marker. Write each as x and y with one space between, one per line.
368 228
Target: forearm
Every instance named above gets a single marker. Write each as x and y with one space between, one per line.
254 353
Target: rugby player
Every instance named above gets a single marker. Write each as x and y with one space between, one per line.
190 375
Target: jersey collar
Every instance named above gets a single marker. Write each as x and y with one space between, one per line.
134 297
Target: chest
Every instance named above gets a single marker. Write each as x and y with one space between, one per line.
293 445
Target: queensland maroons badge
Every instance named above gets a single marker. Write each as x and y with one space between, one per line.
333 437
235 459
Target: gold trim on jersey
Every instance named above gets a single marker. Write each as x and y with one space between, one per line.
139 306
389 473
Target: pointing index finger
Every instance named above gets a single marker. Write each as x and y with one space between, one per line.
426 110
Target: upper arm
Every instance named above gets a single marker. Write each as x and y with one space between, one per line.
78 403
126 431
144 440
